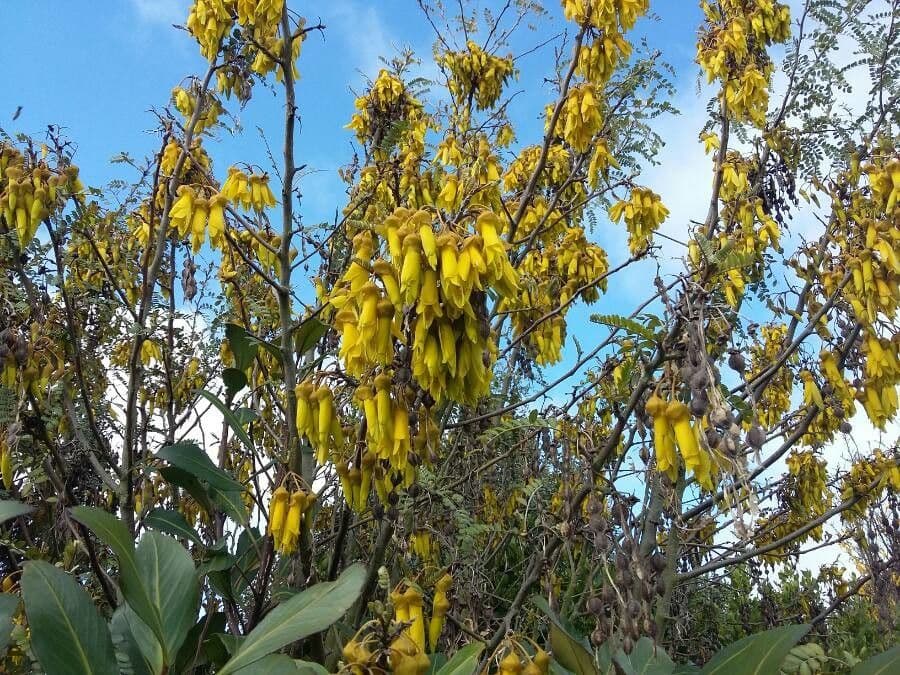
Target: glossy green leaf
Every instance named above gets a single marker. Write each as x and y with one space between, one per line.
193 649
464 662
306 613
241 344
191 458
234 380
136 646
68 636
114 534
173 523
10 508
308 334
646 658
273 664
168 572
882 664
191 485
757 654
230 418
231 504
8 606
571 652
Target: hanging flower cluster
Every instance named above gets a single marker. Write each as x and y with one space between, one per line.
644 212
287 510
732 49
479 74
605 15
676 439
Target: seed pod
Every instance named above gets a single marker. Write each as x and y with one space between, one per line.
845 427
737 362
756 437
594 605
699 402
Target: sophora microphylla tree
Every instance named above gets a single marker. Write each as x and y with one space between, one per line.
393 427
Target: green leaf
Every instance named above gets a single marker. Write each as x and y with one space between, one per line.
308 334
193 651
274 351
68 636
241 345
306 613
626 324
191 458
136 646
173 523
234 380
464 661
10 508
8 606
171 579
114 534
646 658
881 664
229 416
230 502
309 668
757 654
568 649
187 482
273 664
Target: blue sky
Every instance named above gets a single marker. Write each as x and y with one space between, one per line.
112 61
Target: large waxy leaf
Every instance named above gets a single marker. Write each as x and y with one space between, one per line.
114 534
230 417
646 658
168 571
8 605
758 654
193 650
173 523
241 344
191 458
569 651
10 508
882 664
274 664
188 483
308 334
68 636
464 661
136 646
306 613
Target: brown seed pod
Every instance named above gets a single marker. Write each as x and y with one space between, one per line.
756 437
737 362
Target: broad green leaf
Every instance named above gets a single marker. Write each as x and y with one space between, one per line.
193 649
464 661
136 646
882 664
307 334
168 571
241 345
273 664
757 654
231 504
10 508
8 605
309 668
187 482
191 458
568 649
306 613
229 416
274 351
234 380
114 534
646 658
68 636
173 523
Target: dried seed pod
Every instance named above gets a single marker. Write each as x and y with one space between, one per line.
737 362
845 427
756 437
594 606
699 403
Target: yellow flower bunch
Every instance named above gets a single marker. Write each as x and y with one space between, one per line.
732 49
317 419
598 61
881 470
286 516
193 214
672 428
423 544
477 73
209 21
644 212
557 168
248 192
605 15
186 103
581 118
29 194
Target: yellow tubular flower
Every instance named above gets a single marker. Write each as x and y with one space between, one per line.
416 616
679 417
277 514
292 523
411 272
